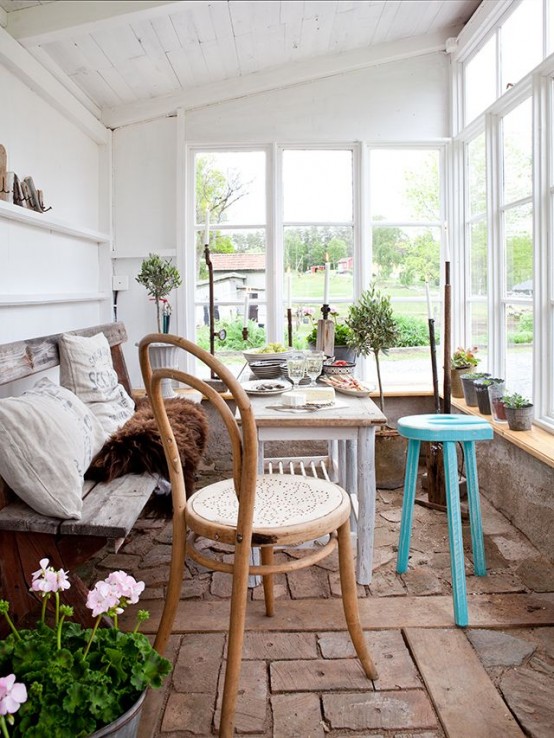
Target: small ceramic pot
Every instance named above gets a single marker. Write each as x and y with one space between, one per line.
519 418
469 390
481 387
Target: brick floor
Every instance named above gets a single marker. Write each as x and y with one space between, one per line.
304 682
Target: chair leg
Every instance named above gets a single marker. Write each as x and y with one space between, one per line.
237 619
269 596
410 481
350 601
455 534
475 524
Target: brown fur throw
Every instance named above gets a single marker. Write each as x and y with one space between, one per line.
136 447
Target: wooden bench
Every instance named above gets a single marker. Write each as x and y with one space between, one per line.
109 510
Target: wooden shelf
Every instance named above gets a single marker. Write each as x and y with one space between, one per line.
536 442
46 222
24 300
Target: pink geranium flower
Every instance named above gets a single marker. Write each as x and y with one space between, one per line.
12 695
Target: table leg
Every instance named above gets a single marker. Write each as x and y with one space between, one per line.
333 451
351 481
366 503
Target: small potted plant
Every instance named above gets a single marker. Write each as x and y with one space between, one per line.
160 277
481 387
65 680
463 359
374 331
468 379
519 411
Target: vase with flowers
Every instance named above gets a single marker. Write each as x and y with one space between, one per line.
60 679
463 359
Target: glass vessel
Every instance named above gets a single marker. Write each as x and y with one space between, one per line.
314 365
296 368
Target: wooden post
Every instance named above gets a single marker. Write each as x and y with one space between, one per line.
289 326
325 340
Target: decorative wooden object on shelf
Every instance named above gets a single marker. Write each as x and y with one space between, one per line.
325 338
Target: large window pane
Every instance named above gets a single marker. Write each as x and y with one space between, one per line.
519 353
477 175
404 185
521 42
479 321
231 186
317 186
480 80
306 251
478 259
519 252
518 152
405 258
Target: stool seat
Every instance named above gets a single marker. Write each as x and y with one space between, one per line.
436 427
448 430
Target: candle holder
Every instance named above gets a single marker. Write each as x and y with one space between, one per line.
245 333
289 326
325 310
222 334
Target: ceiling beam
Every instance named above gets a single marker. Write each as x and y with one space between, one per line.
278 78
43 24
20 62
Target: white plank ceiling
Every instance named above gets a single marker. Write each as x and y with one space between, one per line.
141 56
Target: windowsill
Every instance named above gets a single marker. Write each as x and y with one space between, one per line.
536 442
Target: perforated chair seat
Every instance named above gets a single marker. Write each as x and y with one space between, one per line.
297 504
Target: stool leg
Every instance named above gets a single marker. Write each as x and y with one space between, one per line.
455 533
410 481
477 544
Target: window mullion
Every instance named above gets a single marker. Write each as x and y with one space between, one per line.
496 264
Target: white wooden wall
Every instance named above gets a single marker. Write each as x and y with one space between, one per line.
53 275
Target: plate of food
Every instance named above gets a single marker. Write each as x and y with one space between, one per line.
271 352
348 385
266 387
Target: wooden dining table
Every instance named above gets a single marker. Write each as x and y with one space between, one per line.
349 429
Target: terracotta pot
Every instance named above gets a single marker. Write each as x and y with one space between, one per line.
390 458
456 389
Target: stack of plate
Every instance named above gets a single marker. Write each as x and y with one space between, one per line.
266 369
256 355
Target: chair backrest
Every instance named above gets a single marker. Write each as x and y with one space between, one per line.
244 445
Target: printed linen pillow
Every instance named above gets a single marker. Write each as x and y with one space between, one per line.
47 440
86 368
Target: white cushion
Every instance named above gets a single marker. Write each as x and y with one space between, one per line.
86 368
47 440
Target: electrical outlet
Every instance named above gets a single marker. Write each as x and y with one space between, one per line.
120 282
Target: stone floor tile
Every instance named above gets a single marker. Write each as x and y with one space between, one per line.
198 662
422 581
318 675
191 712
296 715
537 574
386 583
515 547
308 583
336 591
529 696
159 555
496 648
379 710
388 650
127 562
153 577
494 583
279 646
252 713
221 584
195 587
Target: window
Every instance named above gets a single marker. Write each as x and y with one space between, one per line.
508 173
406 224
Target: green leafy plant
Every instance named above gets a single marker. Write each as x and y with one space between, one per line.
73 680
515 400
160 277
475 375
464 358
342 335
412 331
373 328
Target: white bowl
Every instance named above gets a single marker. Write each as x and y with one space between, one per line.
256 355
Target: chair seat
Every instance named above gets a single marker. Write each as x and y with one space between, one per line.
283 502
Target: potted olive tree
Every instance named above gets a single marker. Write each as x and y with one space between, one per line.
160 277
373 330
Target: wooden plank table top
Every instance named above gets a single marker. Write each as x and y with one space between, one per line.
350 412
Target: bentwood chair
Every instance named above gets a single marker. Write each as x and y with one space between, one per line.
248 510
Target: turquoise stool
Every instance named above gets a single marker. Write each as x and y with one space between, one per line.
449 430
